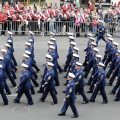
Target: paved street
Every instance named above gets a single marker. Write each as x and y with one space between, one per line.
46 111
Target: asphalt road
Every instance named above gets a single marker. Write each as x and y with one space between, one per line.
46 111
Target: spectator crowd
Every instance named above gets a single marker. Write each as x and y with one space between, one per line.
68 18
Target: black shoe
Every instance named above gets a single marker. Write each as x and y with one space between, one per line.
116 100
38 70
74 116
63 91
112 93
33 93
15 101
109 84
61 114
30 103
85 102
104 102
91 101
54 103
36 85
39 91
8 93
87 84
42 100
6 103
89 91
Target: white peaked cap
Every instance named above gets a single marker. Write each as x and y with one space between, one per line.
25 55
30 32
109 35
48 56
53 39
73 43
1 58
9 32
10 41
75 48
3 50
99 56
24 65
52 33
1 66
27 43
110 38
71 75
27 52
71 37
115 43
78 63
90 34
96 49
75 55
50 64
52 47
70 34
93 43
30 40
7 45
50 43
118 51
101 64
91 38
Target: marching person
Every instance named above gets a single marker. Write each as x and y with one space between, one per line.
79 82
2 85
25 85
100 85
101 32
49 84
70 97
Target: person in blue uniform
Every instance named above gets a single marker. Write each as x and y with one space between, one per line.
90 45
75 58
91 62
70 97
10 41
93 78
8 67
31 38
115 71
29 47
24 85
69 55
117 97
79 82
107 48
2 85
112 52
101 32
10 36
100 85
49 84
10 52
27 60
113 64
51 51
56 50
48 59
7 89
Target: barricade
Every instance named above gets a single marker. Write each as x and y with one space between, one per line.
58 27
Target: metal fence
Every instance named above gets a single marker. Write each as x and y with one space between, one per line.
58 27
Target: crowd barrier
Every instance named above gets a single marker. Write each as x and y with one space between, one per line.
58 27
